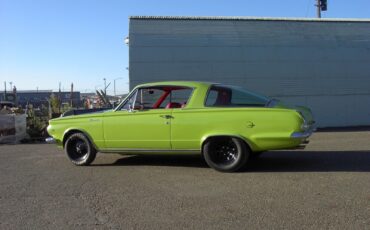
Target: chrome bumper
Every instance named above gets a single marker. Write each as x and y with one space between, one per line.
303 135
50 140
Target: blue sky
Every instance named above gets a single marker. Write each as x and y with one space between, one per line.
44 42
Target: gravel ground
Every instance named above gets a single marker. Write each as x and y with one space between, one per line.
325 186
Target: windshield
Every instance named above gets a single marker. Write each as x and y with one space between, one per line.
234 96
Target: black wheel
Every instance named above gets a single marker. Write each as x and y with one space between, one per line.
226 154
79 149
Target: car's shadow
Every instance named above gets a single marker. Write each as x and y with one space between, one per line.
275 161
195 161
311 161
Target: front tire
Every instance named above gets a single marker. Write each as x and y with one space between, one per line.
79 149
226 154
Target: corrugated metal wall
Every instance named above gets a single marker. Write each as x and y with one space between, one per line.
323 65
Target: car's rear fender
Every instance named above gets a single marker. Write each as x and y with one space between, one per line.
213 135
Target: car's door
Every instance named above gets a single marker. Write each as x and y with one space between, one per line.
134 126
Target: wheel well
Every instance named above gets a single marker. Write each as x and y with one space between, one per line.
225 137
69 133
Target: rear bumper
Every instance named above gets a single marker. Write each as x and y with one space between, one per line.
307 133
302 135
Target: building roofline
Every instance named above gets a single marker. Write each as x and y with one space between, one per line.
247 18
29 91
38 91
175 83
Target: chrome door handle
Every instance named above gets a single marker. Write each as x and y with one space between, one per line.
166 116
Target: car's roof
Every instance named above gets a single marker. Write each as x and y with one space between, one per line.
178 83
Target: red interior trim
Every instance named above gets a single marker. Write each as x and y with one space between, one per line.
161 99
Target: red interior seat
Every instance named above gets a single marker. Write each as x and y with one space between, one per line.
173 105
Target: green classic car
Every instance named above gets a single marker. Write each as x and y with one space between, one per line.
226 124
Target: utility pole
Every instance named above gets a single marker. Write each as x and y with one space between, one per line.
105 86
322 5
71 95
59 97
318 6
114 85
15 95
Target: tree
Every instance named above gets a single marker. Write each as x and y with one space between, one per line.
54 103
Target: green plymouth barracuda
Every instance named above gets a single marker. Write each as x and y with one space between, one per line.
226 124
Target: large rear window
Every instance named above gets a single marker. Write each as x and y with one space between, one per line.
233 96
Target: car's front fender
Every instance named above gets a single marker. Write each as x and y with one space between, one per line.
72 130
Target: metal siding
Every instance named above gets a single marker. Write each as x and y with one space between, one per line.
320 64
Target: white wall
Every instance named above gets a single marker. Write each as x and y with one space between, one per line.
324 65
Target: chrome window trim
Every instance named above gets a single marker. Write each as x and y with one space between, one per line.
125 100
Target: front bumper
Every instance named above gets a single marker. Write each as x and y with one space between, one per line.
50 140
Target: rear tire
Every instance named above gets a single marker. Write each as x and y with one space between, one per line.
79 149
226 154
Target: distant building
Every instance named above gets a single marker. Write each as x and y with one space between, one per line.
93 100
39 97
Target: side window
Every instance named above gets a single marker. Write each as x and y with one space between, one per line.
180 96
219 96
242 98
211 98
158 98
232 96
147 98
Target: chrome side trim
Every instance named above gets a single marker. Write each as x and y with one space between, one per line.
138 151
50 140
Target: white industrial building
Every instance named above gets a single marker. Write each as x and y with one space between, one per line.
320 63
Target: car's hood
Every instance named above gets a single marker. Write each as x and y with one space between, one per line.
76 112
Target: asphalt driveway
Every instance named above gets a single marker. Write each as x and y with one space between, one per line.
326 186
